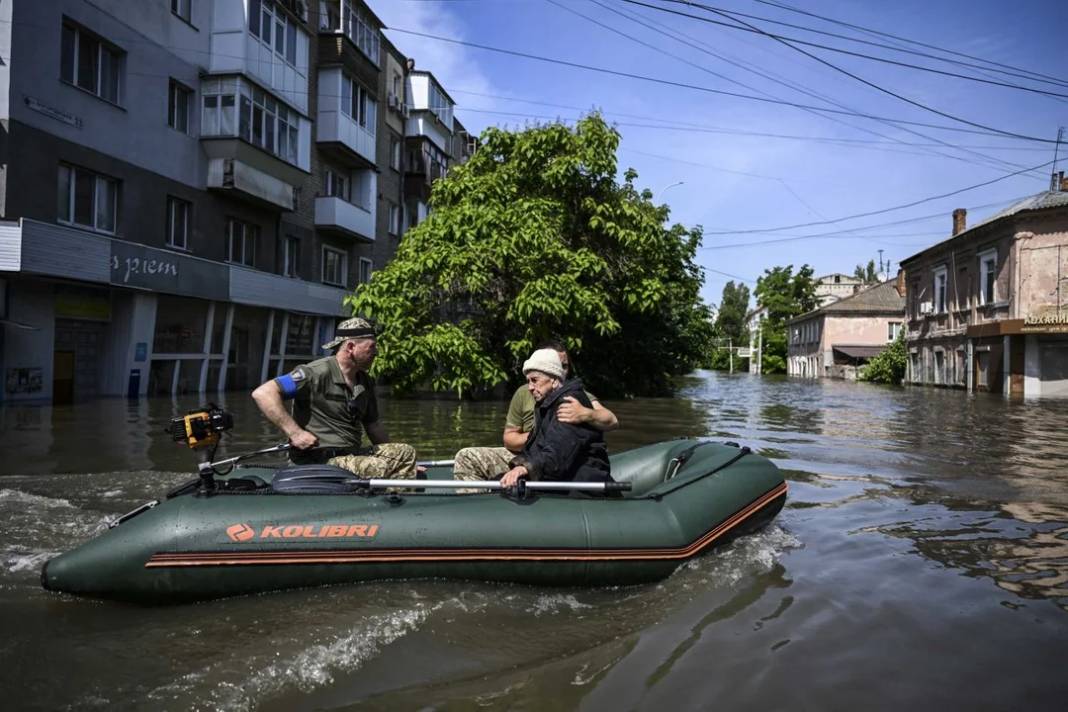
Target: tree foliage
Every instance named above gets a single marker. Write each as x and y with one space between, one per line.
533 238
785 295
867 275
889 366
730 328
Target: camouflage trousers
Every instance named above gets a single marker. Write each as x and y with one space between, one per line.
481 463
388 460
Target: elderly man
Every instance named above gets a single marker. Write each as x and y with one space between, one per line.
333 404
487 463
556 450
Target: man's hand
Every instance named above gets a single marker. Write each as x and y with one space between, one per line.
572 412
512 477
303 440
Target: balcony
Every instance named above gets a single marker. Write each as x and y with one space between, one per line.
337 215
337 133
242 180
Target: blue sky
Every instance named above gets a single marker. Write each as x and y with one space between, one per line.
733 180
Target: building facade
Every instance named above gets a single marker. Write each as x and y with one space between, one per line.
988 308
189 189
835 340
832 287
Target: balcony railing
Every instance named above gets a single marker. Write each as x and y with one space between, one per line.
337 214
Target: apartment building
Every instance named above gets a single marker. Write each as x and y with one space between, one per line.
189 188
832 287
987 309
834 340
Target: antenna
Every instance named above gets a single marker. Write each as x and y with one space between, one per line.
1054 184
881 262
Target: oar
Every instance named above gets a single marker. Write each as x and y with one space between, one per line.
489 485
237 458
436 463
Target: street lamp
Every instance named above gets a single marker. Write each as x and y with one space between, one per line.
665 188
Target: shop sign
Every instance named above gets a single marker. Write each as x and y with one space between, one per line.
52 112
24 380
1053 322
162 271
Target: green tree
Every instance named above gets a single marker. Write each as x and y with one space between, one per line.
730 328
867 275
785 295
889 366
533 237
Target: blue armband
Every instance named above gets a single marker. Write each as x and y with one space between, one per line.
288 386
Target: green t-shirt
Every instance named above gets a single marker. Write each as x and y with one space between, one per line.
327 407
521 410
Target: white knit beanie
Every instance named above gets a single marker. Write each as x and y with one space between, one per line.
547 361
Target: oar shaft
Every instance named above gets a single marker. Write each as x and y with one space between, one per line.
436 463
492 485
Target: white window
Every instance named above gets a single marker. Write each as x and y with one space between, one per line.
940 277
440 104
89 63
291 259
988 275
357 103
178 100
336 185
182 8
261 119
178 214
893 328
394 218
268 21
366 267
87 199
241 239
334 266
346 17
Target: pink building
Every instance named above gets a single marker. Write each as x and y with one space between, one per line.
832 341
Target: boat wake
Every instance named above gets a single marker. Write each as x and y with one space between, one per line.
34 528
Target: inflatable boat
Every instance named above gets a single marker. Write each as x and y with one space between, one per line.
260 528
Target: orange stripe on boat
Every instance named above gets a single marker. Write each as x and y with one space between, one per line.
355 556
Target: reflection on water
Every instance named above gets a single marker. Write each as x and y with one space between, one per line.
917 520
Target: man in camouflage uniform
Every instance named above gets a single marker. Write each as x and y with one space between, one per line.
488 463
334 403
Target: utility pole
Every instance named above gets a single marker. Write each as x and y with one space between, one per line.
730 352
760 348
881 262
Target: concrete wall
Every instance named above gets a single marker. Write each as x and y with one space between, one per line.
32 304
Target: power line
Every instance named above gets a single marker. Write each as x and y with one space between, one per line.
696 87
869 30
987 160
883 210
836 68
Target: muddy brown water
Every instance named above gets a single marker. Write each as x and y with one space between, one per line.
921 562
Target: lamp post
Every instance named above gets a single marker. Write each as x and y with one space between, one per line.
665 188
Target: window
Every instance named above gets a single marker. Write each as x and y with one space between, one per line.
266 20
398 88
178 101
261 119
241 239
334 266
988 274
940 290
893 328
178 213
89 63
182 8
440 104
291 259
395 153
939 367
357 103
362 192
336 186
366 267
394 218
87 199
346 17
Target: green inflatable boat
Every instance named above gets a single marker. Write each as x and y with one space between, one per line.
262 529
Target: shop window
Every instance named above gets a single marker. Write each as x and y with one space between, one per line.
300 334
87 199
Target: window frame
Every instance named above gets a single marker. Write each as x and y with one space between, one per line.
342 265
370 266
985 257
893 329
291 263
176 6
940 301
394 220
70 67
249 238
337 185
176 90
174 202
71 215
253 115
265 18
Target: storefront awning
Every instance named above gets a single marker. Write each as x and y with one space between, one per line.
858 351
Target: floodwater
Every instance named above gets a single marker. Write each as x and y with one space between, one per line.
921 563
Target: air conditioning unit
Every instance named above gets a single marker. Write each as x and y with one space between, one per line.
926 308
406 110
392 101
